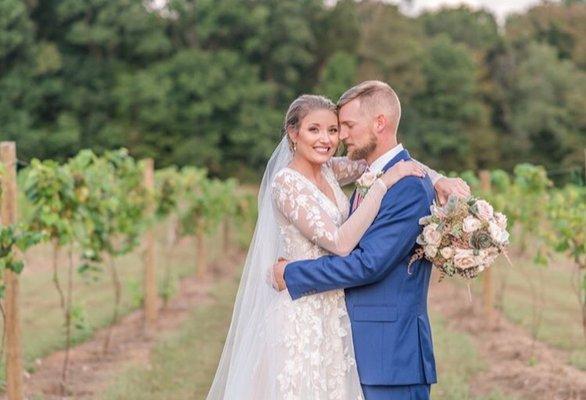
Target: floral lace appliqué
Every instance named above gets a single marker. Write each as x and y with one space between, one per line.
314 331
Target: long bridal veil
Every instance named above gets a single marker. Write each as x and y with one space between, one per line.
243 358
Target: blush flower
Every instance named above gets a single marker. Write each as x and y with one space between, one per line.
498 234
367 179
501 220
485 210
430 251
431 235
471 224
464 259
447 252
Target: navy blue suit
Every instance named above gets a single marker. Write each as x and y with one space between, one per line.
386 304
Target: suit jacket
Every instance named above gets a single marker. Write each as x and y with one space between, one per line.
387 305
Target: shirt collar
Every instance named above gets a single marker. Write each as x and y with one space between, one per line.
378 164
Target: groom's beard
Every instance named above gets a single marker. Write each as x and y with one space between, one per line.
361 153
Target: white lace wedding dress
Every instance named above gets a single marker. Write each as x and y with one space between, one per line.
314 331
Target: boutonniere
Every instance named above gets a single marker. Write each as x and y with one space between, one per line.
364 183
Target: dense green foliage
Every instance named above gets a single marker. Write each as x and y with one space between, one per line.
207 82
98 207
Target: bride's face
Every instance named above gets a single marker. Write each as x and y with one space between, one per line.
318 136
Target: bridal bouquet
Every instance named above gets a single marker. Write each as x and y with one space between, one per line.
463 237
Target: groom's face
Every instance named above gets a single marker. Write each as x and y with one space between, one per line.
356 130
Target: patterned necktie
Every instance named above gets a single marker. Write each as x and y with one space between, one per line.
358 197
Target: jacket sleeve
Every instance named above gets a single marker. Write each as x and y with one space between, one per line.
389 240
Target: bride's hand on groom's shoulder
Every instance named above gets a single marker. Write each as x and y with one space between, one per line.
445 187
400 170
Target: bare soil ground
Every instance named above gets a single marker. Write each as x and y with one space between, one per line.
516 364
90 370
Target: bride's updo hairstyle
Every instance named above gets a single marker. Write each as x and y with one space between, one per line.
300 108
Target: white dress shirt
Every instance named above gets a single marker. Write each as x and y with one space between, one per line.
378 164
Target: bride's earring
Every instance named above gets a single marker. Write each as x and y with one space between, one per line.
294 147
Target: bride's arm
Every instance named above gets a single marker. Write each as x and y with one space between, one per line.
347 171
433 174
298 204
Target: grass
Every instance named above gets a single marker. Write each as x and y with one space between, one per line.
172 375
183 363
542 300
198 343
457 361
42 318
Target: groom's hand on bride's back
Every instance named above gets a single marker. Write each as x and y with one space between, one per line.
451 186
276 275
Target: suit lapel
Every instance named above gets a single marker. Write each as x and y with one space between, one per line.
403 155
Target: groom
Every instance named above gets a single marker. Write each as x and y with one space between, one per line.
386 300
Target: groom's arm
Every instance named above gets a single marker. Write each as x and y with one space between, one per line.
389 239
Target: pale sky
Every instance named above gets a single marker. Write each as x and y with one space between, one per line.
501 8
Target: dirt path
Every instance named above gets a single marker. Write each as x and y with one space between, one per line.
517 364
90 371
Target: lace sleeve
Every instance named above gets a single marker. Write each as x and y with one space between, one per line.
434 176
347 171
296 199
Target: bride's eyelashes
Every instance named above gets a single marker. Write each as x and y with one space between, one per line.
332 130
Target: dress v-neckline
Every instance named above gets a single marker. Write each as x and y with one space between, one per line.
325 196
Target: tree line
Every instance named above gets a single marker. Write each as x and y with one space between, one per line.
207 82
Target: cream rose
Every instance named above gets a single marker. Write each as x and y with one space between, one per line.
424 220
431 235
430 251
486 257
501 220
447 252
485 210
498 235
367 179
491 255
471 224
464 259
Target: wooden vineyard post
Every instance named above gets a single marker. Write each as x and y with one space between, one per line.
150 272
226 236
14 388
200 248
488 284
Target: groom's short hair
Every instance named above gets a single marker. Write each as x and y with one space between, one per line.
374 96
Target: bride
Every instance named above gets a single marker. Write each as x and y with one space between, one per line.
279 349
